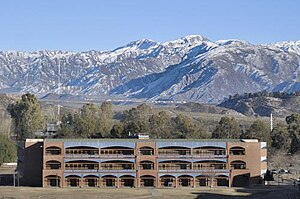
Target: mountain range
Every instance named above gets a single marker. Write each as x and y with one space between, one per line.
192 68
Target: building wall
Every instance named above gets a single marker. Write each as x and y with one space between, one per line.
254 158
33 163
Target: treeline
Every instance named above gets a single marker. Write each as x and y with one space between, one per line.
93 121
284 137
97 122
280 95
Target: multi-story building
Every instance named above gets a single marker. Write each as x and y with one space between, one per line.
144 163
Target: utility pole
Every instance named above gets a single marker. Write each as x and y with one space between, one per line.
58 93
271 122
14 176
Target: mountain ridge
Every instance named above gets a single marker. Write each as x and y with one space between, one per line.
191 68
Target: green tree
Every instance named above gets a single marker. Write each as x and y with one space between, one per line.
293 125
8 150
27 116
87 125
136 120
228 128
68 125
118 131
189 128
161 126
259 130
281 138
105 120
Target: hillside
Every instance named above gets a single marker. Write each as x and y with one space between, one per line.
280 105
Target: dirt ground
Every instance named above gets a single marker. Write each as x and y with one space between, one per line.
272 192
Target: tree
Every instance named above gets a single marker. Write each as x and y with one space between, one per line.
161 126
293 125
281 138
227 128
136 120
118 131
259 130
188 128
69 123
268 176
87 123
27 116
105 120
8 150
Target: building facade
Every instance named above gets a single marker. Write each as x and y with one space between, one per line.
146 163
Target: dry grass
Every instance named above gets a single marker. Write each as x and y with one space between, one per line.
94 193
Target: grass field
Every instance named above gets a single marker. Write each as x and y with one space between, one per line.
272 192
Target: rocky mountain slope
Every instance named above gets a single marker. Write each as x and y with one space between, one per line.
192 68
263 104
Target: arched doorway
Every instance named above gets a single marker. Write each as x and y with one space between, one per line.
109 181
241 180
168 181
73 181
202 180
222 180
91 181
147 181
127 181
52 181
185 181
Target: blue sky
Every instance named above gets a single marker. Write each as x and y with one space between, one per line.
81 25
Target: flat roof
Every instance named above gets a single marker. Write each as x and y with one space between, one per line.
143 140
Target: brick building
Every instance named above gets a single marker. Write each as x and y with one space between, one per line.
142 163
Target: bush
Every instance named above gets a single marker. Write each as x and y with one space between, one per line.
8 150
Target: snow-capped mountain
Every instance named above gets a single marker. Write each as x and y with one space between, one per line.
192 68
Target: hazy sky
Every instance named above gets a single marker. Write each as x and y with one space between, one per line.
81 25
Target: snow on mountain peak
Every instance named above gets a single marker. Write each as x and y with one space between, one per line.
231 42
141 44
291 46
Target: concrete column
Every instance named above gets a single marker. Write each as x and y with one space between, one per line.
176 182
194 182
81 182
118 182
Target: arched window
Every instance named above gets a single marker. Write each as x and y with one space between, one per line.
146 151
53 164
146 165
238 164
53 150
237 150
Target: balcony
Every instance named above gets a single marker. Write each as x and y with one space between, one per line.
214 152
117 166
82 152
174 152
81 166
117 152
174 165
